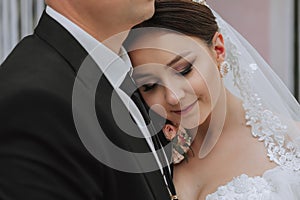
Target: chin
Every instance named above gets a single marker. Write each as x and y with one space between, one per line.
190 123
149 12
144 13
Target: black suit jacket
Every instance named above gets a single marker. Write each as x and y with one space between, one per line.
41 154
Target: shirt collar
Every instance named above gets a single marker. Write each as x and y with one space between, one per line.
112 65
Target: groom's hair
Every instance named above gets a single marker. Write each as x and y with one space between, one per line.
184 16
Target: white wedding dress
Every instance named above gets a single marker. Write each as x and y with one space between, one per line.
279 183
275 184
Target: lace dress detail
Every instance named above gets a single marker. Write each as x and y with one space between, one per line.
243 187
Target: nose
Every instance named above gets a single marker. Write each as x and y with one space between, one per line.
173 94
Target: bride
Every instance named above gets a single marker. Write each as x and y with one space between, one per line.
233 125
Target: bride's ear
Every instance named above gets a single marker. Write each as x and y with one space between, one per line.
219 47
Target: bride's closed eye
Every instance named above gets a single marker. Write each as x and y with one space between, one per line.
184 71
148 84
148 87
185 65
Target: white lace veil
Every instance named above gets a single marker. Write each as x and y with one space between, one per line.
271 109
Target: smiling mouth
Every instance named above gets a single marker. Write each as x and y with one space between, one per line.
185 110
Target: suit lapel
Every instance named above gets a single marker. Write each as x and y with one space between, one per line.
120 138
153 179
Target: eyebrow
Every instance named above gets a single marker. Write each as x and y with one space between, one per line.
137 76
169 64
178 58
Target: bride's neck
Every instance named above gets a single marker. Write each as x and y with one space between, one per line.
228 113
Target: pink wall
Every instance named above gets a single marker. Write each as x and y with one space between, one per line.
250 18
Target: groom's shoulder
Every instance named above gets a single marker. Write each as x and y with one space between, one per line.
34 66
31 50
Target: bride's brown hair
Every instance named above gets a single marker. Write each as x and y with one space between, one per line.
184 16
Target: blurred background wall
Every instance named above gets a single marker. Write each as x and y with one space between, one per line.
271 26
17 20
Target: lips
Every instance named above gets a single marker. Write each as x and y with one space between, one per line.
186 109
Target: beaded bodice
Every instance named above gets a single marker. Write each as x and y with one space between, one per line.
243 187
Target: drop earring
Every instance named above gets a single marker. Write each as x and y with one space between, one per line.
224 68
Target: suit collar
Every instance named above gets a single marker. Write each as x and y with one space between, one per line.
86 40
56 36
114 66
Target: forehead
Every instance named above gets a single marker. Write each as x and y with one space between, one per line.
154 44
151 56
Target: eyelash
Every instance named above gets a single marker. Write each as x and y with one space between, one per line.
184 72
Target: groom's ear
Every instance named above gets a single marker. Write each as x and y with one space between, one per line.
219 47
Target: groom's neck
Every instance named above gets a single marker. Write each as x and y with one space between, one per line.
109 34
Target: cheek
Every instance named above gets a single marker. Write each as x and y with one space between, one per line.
197 86
207 84
148 99
155 102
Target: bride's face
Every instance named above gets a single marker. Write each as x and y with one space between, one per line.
177 76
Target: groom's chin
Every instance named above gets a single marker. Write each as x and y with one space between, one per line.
149 13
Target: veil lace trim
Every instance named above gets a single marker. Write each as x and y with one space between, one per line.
266 125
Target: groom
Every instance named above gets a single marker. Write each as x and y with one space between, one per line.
50 146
